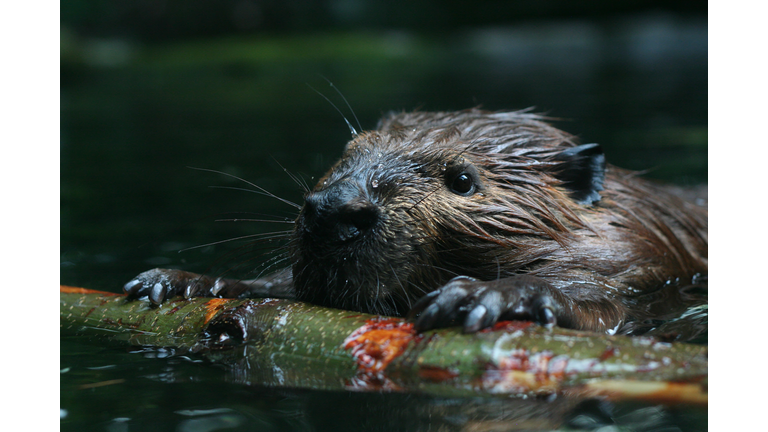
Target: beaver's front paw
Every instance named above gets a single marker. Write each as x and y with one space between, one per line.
161 284
481 304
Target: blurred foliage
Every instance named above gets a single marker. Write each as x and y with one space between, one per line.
154 20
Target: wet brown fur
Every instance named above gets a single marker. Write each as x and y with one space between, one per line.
604 257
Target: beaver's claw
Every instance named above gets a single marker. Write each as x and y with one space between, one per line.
481 304
161 284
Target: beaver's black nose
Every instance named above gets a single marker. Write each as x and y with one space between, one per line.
341 211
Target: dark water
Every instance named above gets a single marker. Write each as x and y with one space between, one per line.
135 117
150 390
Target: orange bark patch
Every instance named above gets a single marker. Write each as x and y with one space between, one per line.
434 373
508 326
75 290
654 391
378 342
608 353
213 306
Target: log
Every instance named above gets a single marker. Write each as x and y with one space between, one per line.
277 342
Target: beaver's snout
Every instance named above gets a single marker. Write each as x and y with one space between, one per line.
341 211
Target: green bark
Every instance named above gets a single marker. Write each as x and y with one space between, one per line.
288 343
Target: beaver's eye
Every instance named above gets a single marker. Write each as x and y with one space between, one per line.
463 184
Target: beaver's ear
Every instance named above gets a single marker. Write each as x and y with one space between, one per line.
582 171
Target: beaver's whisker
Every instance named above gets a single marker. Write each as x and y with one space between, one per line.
351 129
396 277
255 220
345 101
303 185
265 236
259 188
257 192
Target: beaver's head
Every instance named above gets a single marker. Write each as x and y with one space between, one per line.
429 196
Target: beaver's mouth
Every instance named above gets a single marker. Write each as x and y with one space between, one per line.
361 282
360 265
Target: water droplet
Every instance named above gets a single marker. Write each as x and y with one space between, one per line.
374 183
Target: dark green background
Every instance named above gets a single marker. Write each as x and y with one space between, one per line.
150 88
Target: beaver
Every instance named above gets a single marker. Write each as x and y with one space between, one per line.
473 217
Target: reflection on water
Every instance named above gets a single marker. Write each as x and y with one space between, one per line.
135 117
679 315
146 391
